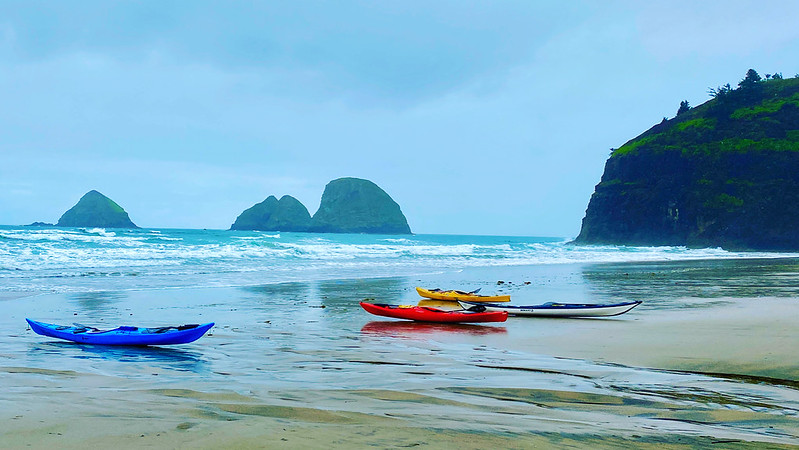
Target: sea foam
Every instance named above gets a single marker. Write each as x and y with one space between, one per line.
86 259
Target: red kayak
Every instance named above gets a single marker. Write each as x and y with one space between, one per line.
427 314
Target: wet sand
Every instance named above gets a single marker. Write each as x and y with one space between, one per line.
737 337
299 365
15 295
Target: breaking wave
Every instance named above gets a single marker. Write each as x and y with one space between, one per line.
65 259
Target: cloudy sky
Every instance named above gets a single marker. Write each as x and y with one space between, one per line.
477 117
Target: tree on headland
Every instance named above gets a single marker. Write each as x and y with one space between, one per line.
684 107
750 80
720 91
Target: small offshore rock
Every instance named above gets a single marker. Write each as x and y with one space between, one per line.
96 210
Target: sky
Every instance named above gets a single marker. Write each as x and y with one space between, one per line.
477 117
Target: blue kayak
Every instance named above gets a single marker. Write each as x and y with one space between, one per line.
122 335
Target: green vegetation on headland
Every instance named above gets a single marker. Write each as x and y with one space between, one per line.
349 205
764 115
96 210
725 173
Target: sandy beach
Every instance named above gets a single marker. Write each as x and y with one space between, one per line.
299 365
737 337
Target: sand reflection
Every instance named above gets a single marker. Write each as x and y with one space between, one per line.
425 330
97 301
158 357
344 292
668 282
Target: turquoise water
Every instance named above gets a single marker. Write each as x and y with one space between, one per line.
96 259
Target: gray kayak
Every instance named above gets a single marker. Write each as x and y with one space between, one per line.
553 309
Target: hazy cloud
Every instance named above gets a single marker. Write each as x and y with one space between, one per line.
500 113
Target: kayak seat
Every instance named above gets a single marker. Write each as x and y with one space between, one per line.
126 328
81 328
476 308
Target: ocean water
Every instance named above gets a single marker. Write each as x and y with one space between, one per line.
294 356
96 259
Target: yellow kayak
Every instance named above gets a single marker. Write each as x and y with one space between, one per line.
438 294
447 305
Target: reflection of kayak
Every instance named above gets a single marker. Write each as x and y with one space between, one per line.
560 309
438 294
122 335
425 314
405 328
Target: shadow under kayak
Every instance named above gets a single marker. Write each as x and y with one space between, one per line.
124 335
553 309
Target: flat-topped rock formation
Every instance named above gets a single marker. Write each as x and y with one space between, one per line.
96 210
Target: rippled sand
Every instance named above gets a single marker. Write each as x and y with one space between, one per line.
301 365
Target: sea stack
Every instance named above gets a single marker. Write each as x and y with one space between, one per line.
286 214
354 205
722 174
96 210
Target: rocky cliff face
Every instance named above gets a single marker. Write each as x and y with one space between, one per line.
96 210
724 174
353 205
286 214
